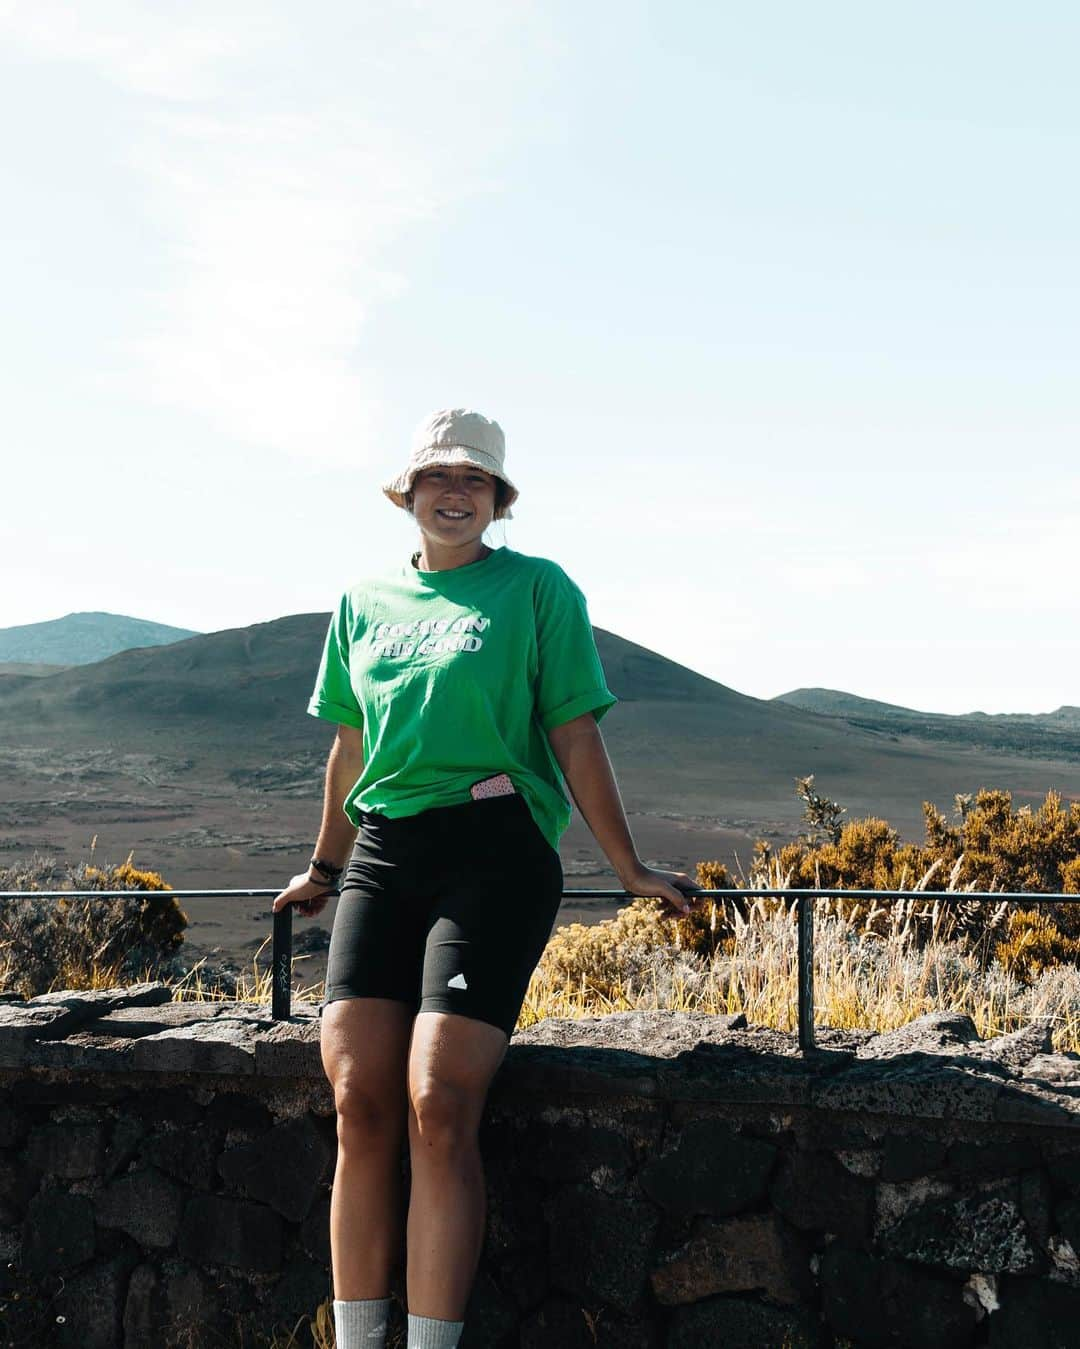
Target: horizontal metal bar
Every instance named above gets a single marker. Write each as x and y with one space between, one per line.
837 892
281 955
139 894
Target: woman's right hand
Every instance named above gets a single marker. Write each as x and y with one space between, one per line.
309 896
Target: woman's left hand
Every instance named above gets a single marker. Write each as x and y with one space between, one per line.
668 885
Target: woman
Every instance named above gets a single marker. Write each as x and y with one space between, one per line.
466 687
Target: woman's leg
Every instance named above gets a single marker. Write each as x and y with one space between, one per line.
452 1060
365 1045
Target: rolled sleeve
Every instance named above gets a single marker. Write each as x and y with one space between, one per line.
570 677
336 712
333 698
596 702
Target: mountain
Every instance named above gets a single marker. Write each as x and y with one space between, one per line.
835 703
1027 733
82 638
213 686
230 706
18 667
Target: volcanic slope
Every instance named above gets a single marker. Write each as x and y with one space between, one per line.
230 706
1039 734
81 638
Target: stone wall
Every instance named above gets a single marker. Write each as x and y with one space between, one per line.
654 1180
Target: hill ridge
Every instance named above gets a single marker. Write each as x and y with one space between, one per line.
838 702
83 637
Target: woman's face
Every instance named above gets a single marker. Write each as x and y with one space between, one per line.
453 503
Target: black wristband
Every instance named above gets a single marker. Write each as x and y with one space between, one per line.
327 869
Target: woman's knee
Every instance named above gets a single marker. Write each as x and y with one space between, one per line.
367 1114
443 1114
364 1049
452 1061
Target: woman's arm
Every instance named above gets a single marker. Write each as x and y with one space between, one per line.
343 767
579 748
337 833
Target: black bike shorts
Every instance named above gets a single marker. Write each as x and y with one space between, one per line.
448 910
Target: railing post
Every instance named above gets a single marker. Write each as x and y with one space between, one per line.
806 972
281 965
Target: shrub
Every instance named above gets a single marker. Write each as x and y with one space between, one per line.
1032 942
878 963
84 943
821 814
992 848
600 959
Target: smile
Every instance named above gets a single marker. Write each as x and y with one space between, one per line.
454 515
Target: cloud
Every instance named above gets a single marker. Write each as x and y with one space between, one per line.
1021 567
174 56
281 226
281 156
819 576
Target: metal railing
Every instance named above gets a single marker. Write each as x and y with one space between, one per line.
805 919
282 944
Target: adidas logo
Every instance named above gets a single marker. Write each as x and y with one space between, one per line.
458 981
378 1332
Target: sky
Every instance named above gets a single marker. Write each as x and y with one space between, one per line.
776 304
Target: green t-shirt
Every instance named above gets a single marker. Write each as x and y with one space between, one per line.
456 675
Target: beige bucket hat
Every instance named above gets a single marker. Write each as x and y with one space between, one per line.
454 436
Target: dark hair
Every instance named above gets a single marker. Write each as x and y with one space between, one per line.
502 496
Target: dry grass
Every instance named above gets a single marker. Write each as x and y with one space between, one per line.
312 1332
317 1332
250 986
863 979
875 966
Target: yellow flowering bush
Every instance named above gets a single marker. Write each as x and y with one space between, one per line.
84 943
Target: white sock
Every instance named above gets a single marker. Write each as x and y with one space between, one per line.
362 1324
427 1332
